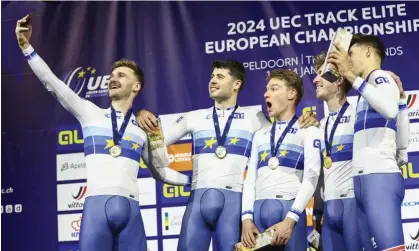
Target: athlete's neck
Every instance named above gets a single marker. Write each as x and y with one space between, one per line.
122 105
288 114
335 103
226 103
369 69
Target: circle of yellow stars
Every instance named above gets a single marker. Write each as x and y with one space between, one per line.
82 72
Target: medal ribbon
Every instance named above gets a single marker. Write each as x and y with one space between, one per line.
117 136
328 143
222 138
274 149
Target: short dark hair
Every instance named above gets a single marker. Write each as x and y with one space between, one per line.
235 67
372 41
319 60
132 65
292 80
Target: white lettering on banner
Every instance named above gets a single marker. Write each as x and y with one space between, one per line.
243 44
394 51
285 22
278 36
7 190
302 64
385 12
80 77
271 64
342 16
248 27
8 209
180 157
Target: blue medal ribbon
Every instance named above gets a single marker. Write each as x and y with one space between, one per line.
274 149
117 136
328 143
222 138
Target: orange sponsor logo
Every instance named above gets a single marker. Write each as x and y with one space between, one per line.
180 156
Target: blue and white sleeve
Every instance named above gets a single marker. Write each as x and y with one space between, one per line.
178 129
157 161
249 188
381 93
312 165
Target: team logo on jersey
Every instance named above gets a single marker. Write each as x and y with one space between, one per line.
180 119
345 119
381 80
86 83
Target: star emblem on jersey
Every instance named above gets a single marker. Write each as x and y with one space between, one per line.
263 156
142 163
135 146
109 143
283 152
234 140
209 142
340 147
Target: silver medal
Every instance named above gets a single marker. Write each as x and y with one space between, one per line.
221 152
115 151
273 163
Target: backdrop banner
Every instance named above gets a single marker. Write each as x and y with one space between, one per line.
43 166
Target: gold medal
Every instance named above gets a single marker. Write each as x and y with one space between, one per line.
327 161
